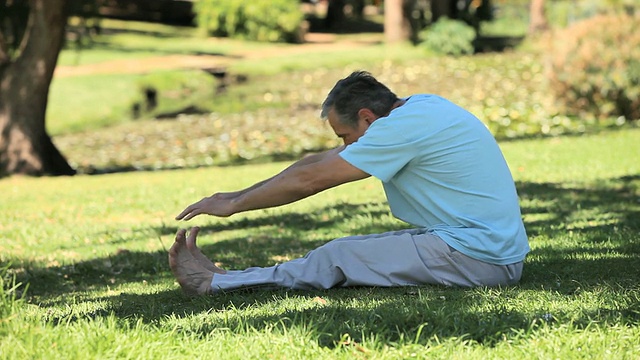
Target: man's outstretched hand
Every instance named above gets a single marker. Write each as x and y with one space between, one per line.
219 204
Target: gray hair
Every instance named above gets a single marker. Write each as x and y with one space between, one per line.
357 91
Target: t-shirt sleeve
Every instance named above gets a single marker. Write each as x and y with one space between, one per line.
381 152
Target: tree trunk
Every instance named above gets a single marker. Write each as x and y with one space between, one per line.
335 14
442 8
25 146
396 22
538 19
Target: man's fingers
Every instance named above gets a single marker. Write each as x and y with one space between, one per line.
193 213
184 213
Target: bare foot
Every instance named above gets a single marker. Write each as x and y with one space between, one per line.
194 278
198 255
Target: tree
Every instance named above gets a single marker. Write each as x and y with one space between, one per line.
404 19
442 8
538 19
397 20
31 36
335 13
393 20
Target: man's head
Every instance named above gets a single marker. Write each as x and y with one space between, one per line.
354 103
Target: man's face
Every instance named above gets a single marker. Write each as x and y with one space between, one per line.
348 134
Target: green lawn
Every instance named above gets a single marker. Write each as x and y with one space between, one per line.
93 251
87 102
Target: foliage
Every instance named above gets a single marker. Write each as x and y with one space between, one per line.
510 19
595 69
559 13
564 13
93 250
272 21
448 37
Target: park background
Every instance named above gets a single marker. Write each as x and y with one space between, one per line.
152 115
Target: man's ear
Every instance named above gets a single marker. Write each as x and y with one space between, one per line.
367 115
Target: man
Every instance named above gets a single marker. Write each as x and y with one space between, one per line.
442 172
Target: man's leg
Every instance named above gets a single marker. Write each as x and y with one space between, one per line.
348 261
408 257
451 267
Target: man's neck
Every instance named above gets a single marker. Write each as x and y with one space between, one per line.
396 105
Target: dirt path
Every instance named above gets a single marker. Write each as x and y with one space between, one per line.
315 42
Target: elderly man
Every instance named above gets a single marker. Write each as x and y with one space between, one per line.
442 172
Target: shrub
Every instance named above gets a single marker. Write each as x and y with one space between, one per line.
272 21
448 37
595 67
562 13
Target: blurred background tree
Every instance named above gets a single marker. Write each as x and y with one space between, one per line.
31 36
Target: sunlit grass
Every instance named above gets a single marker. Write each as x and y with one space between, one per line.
93 251
90 102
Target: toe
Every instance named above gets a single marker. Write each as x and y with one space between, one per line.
191 239
180 236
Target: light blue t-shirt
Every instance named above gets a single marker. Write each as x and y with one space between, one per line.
442 170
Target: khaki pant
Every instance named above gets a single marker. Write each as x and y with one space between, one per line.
399 258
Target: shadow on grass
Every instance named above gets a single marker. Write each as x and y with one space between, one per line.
276 236
589 234
390 315
584 237
604 205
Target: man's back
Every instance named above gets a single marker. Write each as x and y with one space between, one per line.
442 170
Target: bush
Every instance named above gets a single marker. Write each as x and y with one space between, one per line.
563 13
595 67
272 21
448 37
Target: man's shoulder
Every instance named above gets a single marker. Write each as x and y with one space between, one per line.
432 101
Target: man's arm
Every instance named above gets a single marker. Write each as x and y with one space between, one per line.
300 180
310 159
298 183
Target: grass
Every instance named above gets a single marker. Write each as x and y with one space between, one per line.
274 114
139 42
73 99
90 102
93 251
